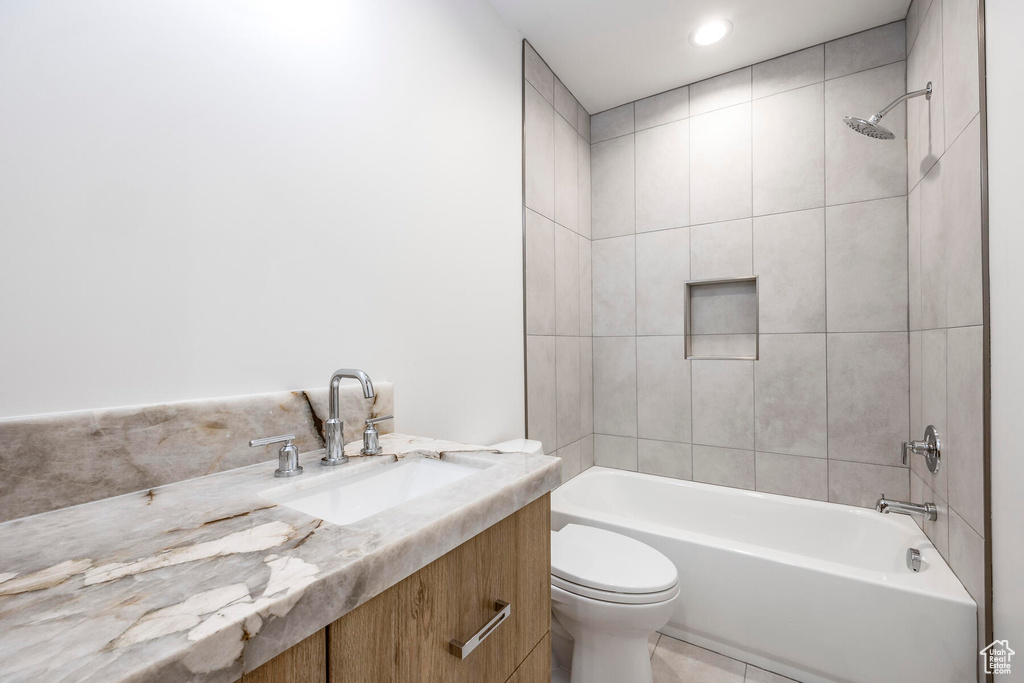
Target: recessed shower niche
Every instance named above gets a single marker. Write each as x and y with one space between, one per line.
721 319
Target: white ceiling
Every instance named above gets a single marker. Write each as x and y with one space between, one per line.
609 52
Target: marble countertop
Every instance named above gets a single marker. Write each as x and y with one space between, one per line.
205 579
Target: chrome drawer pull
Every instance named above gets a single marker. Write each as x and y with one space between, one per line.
462 649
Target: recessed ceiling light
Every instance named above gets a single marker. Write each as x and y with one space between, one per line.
711 32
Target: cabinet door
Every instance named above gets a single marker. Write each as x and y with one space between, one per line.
303 663
536 668
455 597
363 645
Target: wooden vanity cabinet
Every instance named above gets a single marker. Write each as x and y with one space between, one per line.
403 634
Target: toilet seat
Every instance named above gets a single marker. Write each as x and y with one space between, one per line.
617 598
606 566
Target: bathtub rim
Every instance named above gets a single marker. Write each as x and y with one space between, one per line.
939 582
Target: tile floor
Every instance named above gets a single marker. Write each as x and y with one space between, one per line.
675 661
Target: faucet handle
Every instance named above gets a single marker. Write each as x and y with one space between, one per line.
287 457
267 440
371 438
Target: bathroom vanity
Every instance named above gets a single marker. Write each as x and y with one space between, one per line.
224 578
406 633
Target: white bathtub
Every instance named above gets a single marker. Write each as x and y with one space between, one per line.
814 591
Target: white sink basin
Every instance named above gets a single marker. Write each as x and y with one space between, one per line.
347 499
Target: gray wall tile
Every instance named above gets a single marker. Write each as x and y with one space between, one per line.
723 308
858 167
583 122
788 72
586 385
567 183
914 17
612 188
790 413
917 424
789 151
663 177
963 451
540 154
720 165
723 466
933 404
789 260
540 274
722 250
587 452
665 107
866 266
663 388
584 191
937 530
925 135
568 428
665 458
722 345
865 50
720 92
662 269
611 123
959 64
874 365
967 556
615 451
961 214
571 460
540 390
567 282
586 288
538 74
860 484
724 413
614 274
934 243
615 385
914 258
792 475
565 103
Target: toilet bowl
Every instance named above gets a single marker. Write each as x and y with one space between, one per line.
609 593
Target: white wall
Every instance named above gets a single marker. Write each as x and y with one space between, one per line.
214 198
1004 21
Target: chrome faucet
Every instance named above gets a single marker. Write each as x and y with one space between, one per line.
926 510
334 428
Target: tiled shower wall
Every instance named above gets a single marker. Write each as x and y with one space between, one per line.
754 173
559 360
944 178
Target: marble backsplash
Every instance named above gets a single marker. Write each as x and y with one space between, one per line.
54 461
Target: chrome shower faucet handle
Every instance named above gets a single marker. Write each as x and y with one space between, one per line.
930 448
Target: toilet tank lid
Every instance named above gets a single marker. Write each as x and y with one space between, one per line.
520 446
608 561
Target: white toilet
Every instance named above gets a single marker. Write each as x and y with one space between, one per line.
609 593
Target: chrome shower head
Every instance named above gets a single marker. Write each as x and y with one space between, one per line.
869 128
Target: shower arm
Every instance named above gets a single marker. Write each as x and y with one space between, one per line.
926 91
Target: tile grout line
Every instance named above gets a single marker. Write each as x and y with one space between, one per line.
752 99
